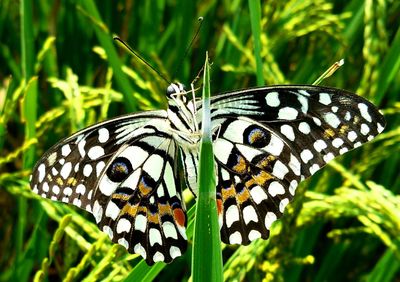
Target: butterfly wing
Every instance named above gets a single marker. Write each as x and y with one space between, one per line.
138 201
269 139
80 169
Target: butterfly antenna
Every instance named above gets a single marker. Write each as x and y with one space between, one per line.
116 38
329 71
200 22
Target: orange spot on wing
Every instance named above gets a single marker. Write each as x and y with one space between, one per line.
121 197
164 209
179 216
243 196
153 218
144 189
262 177
228 192
219 207
241 166
129 209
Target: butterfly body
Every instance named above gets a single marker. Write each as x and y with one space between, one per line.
266 141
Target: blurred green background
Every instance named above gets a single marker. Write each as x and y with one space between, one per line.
60 70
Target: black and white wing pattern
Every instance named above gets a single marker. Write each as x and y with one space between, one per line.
266 141
123 172
269 139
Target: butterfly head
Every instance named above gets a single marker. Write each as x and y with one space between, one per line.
176 91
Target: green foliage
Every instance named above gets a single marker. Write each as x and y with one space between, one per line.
61 71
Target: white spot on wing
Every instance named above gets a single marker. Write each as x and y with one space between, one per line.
99 168
112 210
169 230
169 179
364 129
42 172
328 157
304 103
275 188
287 113
140 223
158 257
280 170
103 135
283 204
270 217
294 164
325 98
235 238
95 152
174 252
352 135
364 111
232 215
337 142
97 211
380 127
52 158
123 242
108 231
258 194
81 147
304 127
65 150
332 120
272 99
87 170
254 234
306 155
249 214
288 132
314 168
222 150
66 170
80 189
275 146
320 145
123 225
155 236
138 249
153 166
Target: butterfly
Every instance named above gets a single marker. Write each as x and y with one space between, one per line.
266 141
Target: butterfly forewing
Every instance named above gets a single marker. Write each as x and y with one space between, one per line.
69 170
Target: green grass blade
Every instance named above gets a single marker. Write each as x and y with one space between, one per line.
22 267
386 268
207 257
255 19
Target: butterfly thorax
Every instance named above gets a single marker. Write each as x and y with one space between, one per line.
181 116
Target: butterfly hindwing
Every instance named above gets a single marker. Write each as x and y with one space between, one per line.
138 199
257 177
